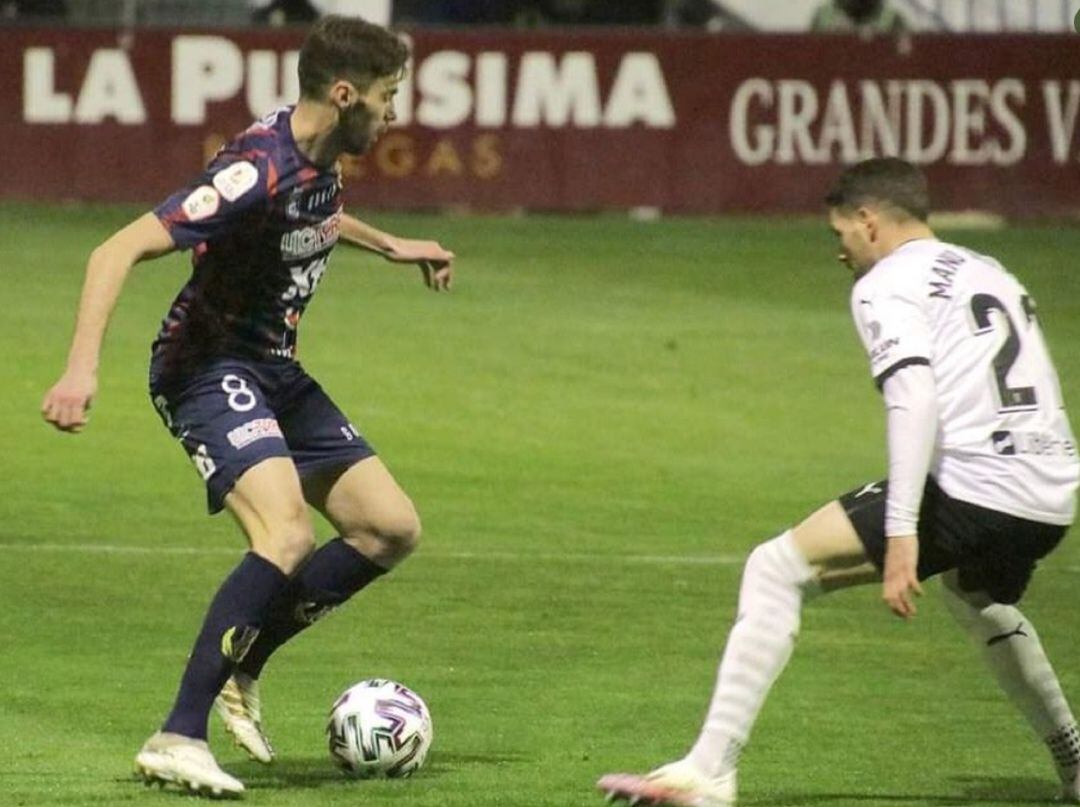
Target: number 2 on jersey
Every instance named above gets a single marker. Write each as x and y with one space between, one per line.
1013 399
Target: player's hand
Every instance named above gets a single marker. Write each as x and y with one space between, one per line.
901 583
67 404
436 264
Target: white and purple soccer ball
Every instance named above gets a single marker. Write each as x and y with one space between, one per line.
379 728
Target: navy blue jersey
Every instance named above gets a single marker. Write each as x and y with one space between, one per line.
261 222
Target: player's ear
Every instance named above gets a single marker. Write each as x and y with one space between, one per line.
868 218
340 94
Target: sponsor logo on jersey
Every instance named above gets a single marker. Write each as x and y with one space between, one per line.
201 203
1039 444
1003 443
881 351
308 241
247 433
235 180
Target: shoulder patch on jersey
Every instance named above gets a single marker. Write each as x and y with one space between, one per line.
235 180
201 203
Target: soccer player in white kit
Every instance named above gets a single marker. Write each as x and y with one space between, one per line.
983 473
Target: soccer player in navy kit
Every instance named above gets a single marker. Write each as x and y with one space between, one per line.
261 223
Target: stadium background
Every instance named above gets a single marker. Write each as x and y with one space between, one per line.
647 365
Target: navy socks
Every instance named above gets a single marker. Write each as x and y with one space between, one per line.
229 631
333 574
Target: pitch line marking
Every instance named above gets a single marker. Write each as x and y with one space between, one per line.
574 557
119 549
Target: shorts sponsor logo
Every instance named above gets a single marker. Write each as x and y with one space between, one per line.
235 180
201 203
247 433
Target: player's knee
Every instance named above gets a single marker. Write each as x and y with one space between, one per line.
775 560
981 617
776 580
964 606
399 531
290 541
389 536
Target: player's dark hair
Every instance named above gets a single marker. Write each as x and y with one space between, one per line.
887 181
349 48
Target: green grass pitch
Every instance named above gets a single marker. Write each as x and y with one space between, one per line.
597 424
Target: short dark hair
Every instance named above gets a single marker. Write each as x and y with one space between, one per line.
350 48
887 181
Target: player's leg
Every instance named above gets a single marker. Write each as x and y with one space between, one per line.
234 441
343 479
377 526
823 553
268 504
370 511
1012 650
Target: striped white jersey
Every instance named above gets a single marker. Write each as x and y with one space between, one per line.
1003 438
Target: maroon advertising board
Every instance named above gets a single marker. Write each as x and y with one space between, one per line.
560 120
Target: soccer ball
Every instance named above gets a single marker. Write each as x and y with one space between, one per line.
379 728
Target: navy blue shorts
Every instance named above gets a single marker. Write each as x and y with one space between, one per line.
993 552
231 414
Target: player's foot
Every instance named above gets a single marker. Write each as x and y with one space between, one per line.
239 706
678 784
168 758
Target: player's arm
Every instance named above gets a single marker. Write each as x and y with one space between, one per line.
66 405
895 331
436 264
912 419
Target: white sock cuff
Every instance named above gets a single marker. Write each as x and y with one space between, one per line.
796 568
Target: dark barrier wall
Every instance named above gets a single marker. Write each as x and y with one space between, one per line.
566 121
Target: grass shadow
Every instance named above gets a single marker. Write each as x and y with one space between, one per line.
317 772
1004 791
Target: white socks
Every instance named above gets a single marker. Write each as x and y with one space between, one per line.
1012 649
775 579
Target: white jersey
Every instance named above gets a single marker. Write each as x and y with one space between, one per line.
1003 439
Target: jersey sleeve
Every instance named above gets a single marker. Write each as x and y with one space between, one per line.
892 324
214 203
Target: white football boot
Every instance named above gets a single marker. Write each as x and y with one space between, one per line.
678 784
168 758
239 706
